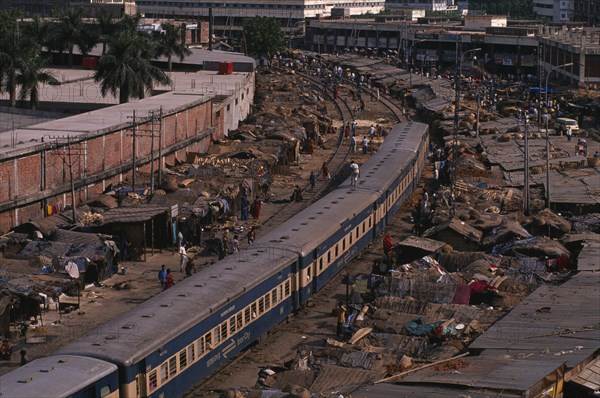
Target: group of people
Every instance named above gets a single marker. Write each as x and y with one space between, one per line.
6 353
248 208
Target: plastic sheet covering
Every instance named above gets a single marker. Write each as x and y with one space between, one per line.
357 359
416 327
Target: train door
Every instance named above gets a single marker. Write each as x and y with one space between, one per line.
140 385
296 288
315 270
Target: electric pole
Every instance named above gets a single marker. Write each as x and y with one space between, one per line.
69 156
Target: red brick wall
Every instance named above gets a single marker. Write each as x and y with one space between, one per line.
103 153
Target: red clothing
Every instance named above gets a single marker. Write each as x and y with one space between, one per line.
169 281
256 208
325 170
387 243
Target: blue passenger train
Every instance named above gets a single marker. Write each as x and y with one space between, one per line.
176 339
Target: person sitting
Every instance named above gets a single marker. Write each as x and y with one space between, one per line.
5 351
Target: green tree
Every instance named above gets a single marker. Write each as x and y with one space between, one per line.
263 36
105 27
126 67
31 75
13 46
170 43
74 32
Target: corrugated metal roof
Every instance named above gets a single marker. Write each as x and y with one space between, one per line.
589 257
336 378
132 214
497 373
388 390
589 376
72 237
557 324
430 245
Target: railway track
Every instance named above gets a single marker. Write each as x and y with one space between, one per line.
339 157
336 161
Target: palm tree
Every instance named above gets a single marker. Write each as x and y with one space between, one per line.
105 28
170 43
11 53
126 67
31 75
73 32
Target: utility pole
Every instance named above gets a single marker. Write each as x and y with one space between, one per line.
149 134
526 166
160 118
69 157
134 152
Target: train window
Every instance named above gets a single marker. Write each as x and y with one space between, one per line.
164 375
287 288
321 264
274 296
364 224
104 391
337 251
357 232
329 257
216 336
370 222
172 366
224 330
208 342
308 271
239 317
350 238
344 244
261 306
232 326
247 315
254 313
183 359
191 352
152 382
267 302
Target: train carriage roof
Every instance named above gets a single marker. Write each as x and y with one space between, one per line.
159 320
398 150
54 376
306 231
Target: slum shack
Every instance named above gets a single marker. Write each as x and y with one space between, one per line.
415 247
458 234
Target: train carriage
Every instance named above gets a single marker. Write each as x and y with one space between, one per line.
60 376
178 338
182 335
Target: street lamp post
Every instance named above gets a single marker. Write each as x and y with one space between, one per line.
407 56
547 118
549 73
456 109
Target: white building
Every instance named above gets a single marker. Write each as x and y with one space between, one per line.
554 10
287 11
428 5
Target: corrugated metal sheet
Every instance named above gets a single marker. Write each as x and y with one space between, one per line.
76 238
132 214
336 378
430 245
387 390
589 258
485 372
556 324
589 376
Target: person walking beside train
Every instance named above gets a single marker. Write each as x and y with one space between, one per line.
355 172
182 258
255 209
313 180
353 144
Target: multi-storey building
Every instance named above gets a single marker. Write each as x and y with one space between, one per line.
554 10
428 5
587 11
